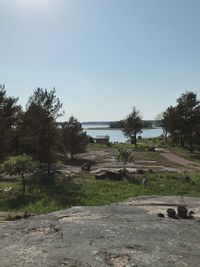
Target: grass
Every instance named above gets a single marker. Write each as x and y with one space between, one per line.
142 144
95 146
43 194
50 193
47 194
160 184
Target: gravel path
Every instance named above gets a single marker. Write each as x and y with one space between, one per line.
179 160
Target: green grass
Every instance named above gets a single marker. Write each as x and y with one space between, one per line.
160 184
95 146
46 194
142 144
43 194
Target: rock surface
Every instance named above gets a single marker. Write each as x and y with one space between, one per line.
122 235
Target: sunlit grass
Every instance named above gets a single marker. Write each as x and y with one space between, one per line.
45 195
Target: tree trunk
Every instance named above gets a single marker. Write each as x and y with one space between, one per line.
165 135
173 140
183 141
48 150
72 146
135 140
124 167
23 183
132 141
191 144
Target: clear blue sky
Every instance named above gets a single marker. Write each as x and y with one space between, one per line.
103 56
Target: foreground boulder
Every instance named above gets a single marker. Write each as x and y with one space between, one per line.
86 166
100 176
115 176
110 175
119 235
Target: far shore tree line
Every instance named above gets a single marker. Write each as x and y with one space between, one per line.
146 124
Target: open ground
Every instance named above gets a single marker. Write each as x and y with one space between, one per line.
70 186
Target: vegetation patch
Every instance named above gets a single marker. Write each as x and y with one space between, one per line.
46 194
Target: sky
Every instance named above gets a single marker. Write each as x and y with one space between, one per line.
102 56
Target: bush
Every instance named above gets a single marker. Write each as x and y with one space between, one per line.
20 166
124 156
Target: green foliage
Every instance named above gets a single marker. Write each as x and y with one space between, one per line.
47 101
74 139
182 122
20 166
9 116
146 124
58 192
124 156
39 128
133 126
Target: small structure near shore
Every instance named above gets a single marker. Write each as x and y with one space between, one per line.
102 139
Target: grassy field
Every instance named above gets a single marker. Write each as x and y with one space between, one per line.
47 194
50 193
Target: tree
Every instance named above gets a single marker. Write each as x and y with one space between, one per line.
20 166
74 139
188 108
9 115
39 125
124 156
170 122
133 126
182 121
160 122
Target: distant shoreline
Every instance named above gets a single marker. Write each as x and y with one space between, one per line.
103 128
108 128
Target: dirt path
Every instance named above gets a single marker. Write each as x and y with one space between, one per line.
176 159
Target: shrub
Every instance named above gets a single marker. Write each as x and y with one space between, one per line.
20 166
